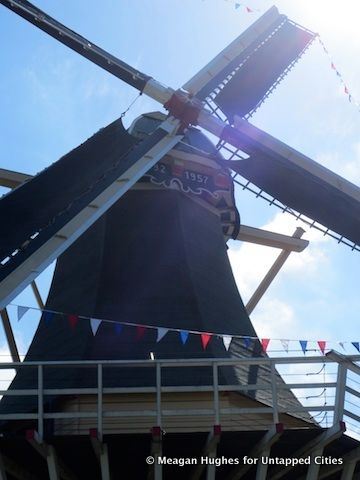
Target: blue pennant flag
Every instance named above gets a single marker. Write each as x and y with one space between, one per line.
356 345
118 328
184 335
303 345
247 342
47 316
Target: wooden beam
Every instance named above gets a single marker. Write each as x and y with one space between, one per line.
37 295
101 452
271 239
262 448
316 443
155 469
350 458
209 450
269 277
11 179
57 469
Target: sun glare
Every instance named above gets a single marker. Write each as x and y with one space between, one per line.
337 17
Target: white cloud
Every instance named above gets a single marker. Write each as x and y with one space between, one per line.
272 317
251 262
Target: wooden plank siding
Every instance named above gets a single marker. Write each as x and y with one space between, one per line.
138 414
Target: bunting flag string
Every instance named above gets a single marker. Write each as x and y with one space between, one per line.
338 74
303 345
118 328
184 335
47 316
73 320
140 331
285 345
265 344
240 5
226 341
205 339
247 342
161 331
21 312
322 346
95 324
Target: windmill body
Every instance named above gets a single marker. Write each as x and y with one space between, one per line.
139 221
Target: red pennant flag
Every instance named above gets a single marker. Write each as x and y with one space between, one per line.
265 343
249 10
73 319
322 346
346 90
333 66
140 332
205 339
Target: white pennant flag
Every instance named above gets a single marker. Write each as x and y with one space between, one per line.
285 344
161 332
21 312
341 345
227 340
95 324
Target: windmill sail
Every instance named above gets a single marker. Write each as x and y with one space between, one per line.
241 77
299 182
260 68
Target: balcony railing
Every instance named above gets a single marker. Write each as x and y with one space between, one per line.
329 394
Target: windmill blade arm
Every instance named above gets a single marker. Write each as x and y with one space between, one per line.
44 244
267 238
76 42
295 180
218 64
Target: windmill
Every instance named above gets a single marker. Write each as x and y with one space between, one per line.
161 158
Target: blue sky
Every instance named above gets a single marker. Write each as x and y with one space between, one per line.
52 100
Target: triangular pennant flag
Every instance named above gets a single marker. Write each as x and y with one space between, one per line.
73 319
346 90
341 345
356 345
333 66
338 74
184 335
47 316
205 339
161 332
303 345
247 341
237 5
21 312
140 331
95 324
118 328
322 346
285 344
350 97
265 344
226 340
249 10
